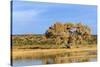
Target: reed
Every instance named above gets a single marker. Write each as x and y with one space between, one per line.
40 53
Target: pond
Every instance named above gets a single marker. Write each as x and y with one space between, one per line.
30 62
58 59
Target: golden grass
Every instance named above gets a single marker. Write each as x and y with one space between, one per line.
37 53
74 58
49 46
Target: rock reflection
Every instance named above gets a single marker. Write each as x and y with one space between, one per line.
69 57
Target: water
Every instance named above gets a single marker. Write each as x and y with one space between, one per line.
27 62
57 59
30 62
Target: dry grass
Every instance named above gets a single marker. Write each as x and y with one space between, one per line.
38 53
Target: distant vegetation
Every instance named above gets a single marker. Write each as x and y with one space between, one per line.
59 35
54 43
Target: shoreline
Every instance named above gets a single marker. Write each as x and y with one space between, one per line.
37 53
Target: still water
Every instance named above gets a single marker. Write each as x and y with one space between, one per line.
90 56
67 57
29 62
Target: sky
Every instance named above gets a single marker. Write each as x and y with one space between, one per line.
36 17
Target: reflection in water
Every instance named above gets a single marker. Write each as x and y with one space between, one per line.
56 59
27 62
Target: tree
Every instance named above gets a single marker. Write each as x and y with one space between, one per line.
68 33
83 32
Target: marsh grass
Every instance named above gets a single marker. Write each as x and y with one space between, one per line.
34 47
40 53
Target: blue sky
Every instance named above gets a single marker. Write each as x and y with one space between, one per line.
36 17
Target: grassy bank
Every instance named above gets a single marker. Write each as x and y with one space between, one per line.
35 46
39 39
38 53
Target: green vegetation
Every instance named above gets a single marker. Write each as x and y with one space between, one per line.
58 36
69 34
30 40
35 40
54 43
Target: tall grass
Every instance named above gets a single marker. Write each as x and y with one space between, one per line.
37 53
38 39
